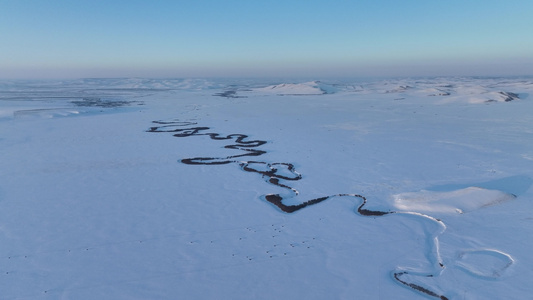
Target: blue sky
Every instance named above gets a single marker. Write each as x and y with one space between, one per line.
230 38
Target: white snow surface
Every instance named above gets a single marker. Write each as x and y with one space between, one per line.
306 88
456 201
96 202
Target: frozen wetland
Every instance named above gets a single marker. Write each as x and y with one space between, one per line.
250 189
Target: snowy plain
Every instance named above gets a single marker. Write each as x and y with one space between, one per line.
175 189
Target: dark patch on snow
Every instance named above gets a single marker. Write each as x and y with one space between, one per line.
418 287
98 102
509 96
229 94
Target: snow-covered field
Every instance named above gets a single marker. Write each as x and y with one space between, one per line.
205 189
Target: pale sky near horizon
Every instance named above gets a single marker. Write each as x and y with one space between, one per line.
247 38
